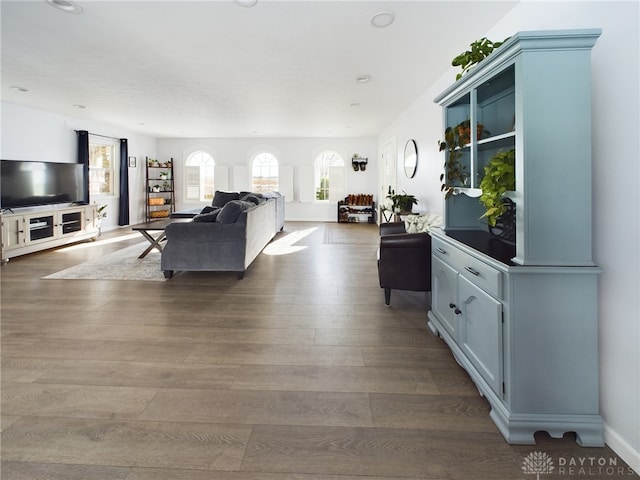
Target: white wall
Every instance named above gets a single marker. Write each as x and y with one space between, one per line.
298 153
615 100
56 141
29 134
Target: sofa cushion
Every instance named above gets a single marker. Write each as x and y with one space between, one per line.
190 213
232 210
220 199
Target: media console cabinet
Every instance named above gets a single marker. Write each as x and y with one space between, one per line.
521 315
30 230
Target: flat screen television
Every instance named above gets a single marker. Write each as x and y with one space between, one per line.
26 184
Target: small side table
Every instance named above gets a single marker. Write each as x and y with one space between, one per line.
155 226
386 215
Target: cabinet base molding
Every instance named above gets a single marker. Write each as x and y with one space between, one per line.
518 428
88 237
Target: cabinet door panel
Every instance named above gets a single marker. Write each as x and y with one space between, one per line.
481 332
443 294
12 232
71 222
40 228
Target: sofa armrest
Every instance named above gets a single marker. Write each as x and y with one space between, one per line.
208 232
405 262
392 228
420 241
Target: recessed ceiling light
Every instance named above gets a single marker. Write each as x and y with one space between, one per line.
246 3
382 19
363 78
20 89
354 105
77 105
65 6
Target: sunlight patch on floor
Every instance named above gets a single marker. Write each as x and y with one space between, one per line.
97 243
285 245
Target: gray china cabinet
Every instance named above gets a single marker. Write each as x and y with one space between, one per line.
519 311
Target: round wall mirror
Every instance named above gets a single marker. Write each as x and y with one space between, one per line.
410 158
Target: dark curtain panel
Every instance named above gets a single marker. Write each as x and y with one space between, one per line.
83 158
123 210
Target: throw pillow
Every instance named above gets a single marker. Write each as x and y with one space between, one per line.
207 217
252 198
220 199
209 209
231 211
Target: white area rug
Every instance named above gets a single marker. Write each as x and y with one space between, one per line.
121 265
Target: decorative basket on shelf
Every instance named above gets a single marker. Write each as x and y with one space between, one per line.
156 201
159 214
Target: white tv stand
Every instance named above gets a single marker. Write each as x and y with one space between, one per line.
28 230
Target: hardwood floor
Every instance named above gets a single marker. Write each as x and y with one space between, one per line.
298 371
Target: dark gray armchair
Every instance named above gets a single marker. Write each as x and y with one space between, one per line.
404 261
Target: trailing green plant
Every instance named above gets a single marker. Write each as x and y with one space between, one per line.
499 178
455 139
455 173
479 50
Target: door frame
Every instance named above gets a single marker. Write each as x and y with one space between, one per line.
388 170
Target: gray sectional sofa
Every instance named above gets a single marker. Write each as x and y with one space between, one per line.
228 236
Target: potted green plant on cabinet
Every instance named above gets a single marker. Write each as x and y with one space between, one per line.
478 51
499 178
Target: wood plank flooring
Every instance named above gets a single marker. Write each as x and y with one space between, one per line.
298 371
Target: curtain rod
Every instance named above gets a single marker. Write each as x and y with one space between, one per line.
98 135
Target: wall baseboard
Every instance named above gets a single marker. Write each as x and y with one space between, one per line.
623 448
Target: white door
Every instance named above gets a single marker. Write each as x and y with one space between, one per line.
388 171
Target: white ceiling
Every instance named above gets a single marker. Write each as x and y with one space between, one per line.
217 69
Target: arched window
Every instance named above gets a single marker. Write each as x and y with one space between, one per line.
199 178
264 173
329 176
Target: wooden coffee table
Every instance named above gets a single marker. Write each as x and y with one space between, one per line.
155 226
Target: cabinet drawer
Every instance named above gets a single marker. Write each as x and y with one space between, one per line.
481 274
443 250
